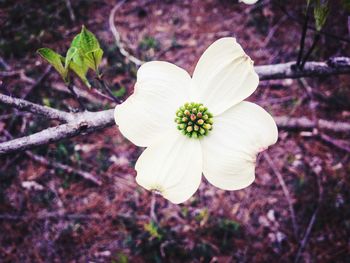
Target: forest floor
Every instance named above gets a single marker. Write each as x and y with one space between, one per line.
65 218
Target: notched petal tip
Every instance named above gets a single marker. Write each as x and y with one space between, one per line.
167 168
224 76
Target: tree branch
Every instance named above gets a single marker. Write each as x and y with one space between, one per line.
307 124
35 108
338 65
87 122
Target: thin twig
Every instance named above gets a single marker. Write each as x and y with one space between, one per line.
322 32
37 82
42 160
314 43
108 90
305 239
92 95
67 169
51 215
303 35
273 30
340 144
117 37
21 73
70 10
4 64
285 192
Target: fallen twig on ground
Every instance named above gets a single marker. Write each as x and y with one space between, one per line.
305 239
341 144
117 38
285 192
70 10
52 215
66 168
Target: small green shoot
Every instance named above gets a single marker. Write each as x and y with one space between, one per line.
321 12
84 53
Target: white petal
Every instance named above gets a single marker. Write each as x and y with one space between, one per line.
224 76
172 166
161 88
229 152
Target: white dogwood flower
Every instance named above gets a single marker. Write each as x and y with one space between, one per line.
215 132
249 2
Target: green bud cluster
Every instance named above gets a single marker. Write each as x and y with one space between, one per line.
194 120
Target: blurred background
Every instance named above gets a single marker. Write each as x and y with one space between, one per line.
297 210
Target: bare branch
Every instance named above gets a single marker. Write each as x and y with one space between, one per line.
307 124
89 122
35 108
338 65
86 122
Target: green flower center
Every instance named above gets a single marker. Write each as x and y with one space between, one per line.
194 120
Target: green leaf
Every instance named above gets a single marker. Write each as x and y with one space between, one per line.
79 68
80 71
88 41
55 60
72 51
76 41
93 59
321 12
89 48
